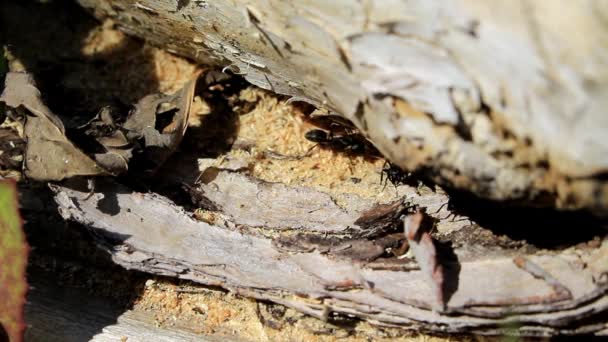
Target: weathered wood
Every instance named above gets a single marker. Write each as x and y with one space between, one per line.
77 294
488 289
275 206
61 314
504 99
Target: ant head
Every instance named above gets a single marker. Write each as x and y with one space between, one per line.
316 135
393 173
390 167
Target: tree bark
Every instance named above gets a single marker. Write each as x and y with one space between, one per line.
335 264
503 99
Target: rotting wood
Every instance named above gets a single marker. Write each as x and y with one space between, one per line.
147 232
503 99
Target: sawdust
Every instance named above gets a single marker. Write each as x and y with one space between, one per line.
212 311
283 154
170 72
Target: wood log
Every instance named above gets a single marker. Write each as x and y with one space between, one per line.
503 99
337 251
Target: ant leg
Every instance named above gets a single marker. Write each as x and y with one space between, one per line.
382 172
441 207
388 178
385 183
350 166
396 190
309 152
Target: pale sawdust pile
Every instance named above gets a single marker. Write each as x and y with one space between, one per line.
210 311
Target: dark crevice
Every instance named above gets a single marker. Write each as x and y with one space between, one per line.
543 228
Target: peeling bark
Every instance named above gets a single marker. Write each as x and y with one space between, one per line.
320 271
503 99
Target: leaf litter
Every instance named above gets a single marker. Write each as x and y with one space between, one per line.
103 146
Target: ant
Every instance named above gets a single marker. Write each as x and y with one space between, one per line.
393 174
333 123
340 134
349 142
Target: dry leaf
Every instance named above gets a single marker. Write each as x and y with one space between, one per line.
117 148
160 138
143 116
49 155
421 244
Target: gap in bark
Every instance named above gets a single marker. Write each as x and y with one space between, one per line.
542 228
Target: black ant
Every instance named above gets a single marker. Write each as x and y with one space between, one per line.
393 174
350 143
333 123
339 134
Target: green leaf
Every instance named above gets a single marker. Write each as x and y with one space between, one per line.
13 262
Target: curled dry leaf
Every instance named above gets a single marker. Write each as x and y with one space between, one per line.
117 150
49 155
160 123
